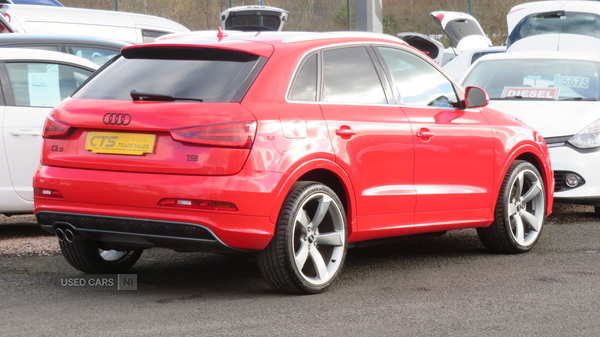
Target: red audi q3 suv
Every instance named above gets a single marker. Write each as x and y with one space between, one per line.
295 146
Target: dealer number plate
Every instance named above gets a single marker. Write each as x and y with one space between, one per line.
120 143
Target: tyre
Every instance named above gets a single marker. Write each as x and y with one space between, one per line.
87 257
308 249
597 211
520 211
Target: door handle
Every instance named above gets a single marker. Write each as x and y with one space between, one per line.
27 132
425 134
345 132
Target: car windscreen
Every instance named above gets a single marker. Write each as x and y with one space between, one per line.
527 79
587 24
194 74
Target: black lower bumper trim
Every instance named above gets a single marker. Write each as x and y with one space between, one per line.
593 201
133 232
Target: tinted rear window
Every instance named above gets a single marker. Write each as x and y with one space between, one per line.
209 75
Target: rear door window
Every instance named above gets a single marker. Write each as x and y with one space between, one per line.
349 76
36 84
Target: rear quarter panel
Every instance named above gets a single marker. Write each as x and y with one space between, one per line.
292 137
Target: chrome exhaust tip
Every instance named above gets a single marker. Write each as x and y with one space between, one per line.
69 235
60 234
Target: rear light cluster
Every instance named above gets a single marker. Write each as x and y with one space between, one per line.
235 134
211 205
54 128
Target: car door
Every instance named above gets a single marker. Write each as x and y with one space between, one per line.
6 190
454 156
31 88
372 140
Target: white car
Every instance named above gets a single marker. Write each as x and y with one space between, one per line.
558 94
528 20
462 30
104 24
553 17
457 67
32 82
468 40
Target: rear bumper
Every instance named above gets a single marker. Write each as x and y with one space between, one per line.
122 208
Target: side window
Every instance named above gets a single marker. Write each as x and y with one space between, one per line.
349 76
29 46
151 35
418 82
304 87
97 55
43 84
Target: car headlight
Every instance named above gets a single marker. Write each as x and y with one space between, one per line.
587 138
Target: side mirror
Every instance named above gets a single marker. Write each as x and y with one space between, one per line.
476 97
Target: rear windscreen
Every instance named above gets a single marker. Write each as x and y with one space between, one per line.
208 75
561 22
249 20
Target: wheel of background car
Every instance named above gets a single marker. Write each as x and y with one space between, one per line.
87 257
520 211
308 249
597 210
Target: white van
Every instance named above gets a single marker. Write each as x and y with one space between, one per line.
111 25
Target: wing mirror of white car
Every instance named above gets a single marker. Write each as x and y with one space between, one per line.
476 97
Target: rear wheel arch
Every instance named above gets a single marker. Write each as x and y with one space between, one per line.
327 173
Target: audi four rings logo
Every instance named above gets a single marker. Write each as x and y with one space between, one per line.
116 119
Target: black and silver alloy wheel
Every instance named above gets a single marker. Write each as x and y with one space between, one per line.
309 247
520 211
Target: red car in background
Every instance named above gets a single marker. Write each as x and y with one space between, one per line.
295 146
5 26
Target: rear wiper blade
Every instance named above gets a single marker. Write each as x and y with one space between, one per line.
142 96
506 98
578 99
519 98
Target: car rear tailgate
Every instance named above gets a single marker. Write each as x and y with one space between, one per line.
158 121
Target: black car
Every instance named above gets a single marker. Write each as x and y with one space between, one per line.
96 50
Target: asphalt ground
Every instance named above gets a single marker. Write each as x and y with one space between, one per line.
444 286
